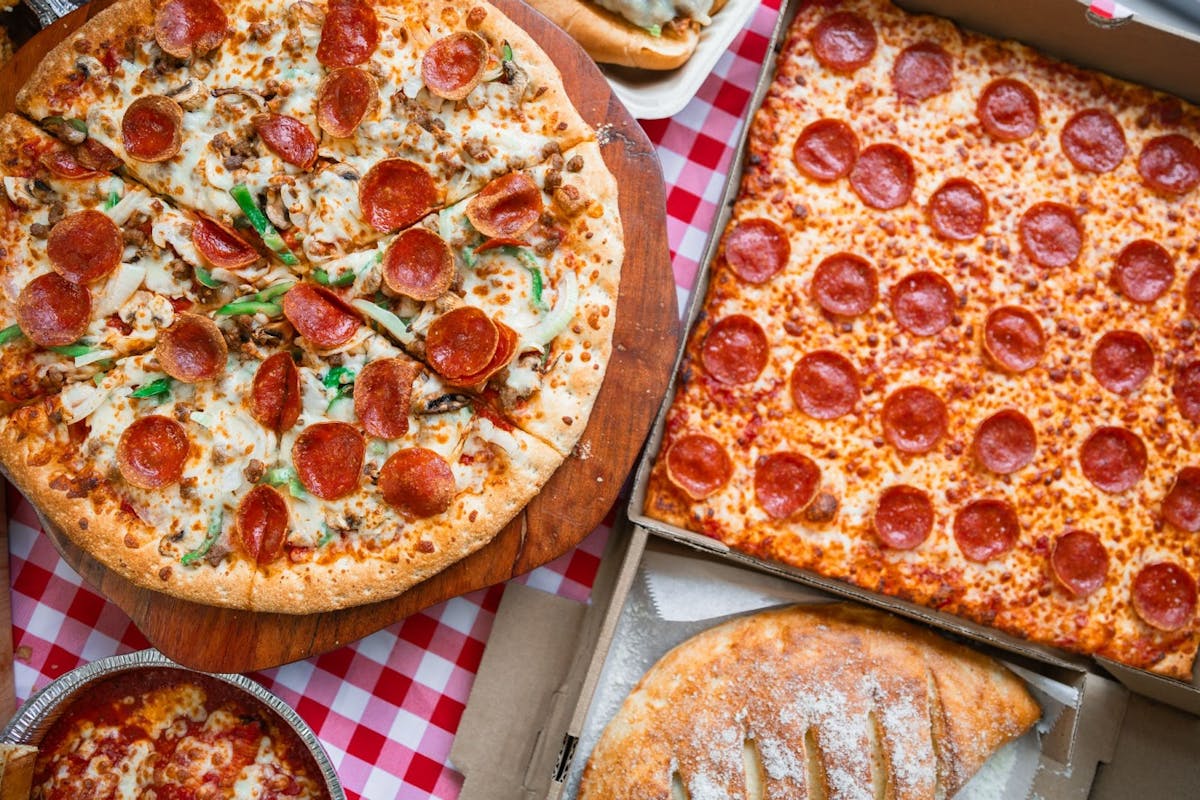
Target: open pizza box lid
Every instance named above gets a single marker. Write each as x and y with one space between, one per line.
555 670
1160 54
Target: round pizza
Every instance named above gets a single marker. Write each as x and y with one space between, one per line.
948 350
302 302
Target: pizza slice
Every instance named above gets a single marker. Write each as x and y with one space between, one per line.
388 475
509 295
93 266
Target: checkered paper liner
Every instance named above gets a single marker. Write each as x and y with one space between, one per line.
387 707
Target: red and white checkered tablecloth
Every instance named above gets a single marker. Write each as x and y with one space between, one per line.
386 708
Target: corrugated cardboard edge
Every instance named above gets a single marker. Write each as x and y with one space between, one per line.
1062 29
517 733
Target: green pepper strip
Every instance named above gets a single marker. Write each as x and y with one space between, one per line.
249 307
535 275
345 279
277 290
206 279
506 53
11 334
113 199
326 535
73 350
153 388
210 538
286 476
258 219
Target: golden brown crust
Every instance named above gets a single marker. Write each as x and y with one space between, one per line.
594 251
422 549
44 463
846 698
43 95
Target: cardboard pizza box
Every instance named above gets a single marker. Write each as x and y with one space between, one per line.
1160 54
555 671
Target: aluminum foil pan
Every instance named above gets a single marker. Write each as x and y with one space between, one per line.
35 718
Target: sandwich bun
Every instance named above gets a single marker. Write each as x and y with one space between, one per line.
611 39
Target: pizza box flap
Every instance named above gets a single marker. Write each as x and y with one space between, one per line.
1153 53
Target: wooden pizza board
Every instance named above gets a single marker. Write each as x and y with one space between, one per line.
574 501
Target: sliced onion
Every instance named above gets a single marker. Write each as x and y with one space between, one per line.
390 322
120 287
491 434
93 357
79 400
560 315
123 210
203 418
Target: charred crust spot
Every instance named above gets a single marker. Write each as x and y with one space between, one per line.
425 546
130 541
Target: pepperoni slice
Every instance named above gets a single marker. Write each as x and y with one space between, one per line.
1164 596
461 342
288 138
188 28
923 303
958 210
262 522
152 452
505 350
1113 459
1170 164
64 164
329 458
985 529
1080 562
382 396
52 311
844 41
454 65
343 100
914 419
735 350
192 349
1008 110
1005 442
1181 506
507 206
349 35
825 385
1014 338
825 150
883 176
698 465
95 156
319 315
784 483
903 517
1051 234
395 193
845 285
275 397
1187 391
85 246
419 264
1122 361
756 249
1191 295
1094 141
1144 271
152 128
418 482
220 246
922 71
